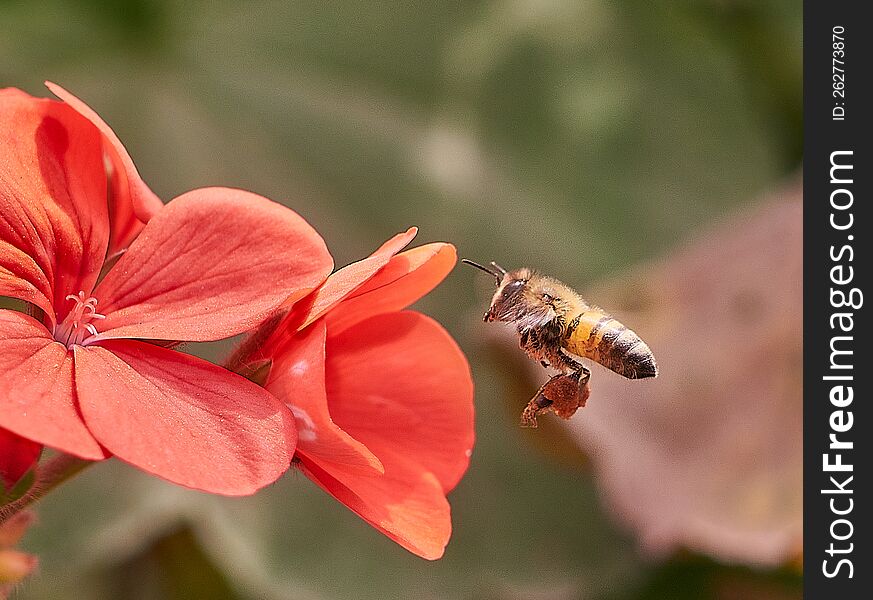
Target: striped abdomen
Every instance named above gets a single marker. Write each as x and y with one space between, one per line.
595 335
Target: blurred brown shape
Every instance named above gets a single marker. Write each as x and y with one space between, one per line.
14 565
708 456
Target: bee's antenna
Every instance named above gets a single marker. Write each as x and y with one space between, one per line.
498 268
498 274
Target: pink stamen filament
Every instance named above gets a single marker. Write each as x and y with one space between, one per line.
77 326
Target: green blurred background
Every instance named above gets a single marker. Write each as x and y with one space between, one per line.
580 137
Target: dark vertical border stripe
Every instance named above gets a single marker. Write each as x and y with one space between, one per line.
822 136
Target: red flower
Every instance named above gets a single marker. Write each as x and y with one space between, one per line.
17 456
383 398
205 267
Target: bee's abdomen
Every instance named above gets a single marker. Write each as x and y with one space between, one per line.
624 352
596 335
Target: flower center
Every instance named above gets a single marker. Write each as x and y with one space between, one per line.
77 326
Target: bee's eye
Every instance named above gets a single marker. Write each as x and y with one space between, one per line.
512 288
547 298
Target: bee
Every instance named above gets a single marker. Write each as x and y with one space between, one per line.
557 327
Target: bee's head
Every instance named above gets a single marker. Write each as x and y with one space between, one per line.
509 301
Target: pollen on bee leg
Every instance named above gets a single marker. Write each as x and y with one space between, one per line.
569 395
563 394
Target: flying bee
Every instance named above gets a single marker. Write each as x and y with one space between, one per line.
555 326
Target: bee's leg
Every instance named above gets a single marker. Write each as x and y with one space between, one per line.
584 375
566 363
538 405
528 344
524 339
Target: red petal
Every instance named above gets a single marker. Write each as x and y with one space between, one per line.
184 419
406 504
399 384
297 379
406 278
55 227
338 286
17 455
132 202
36 389
213 263
346 280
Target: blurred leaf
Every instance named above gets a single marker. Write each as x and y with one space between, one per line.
696 578
172 567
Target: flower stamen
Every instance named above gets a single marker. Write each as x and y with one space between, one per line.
77 326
